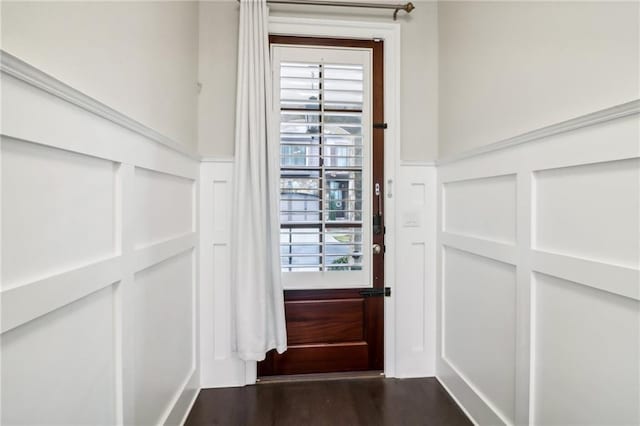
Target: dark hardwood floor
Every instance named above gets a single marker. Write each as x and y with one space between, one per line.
370 401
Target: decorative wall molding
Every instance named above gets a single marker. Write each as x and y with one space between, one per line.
591 119
417 163
29 74
597 117
24 303
568 272
67 156
217 159
23 71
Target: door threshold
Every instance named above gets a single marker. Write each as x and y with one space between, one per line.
348 375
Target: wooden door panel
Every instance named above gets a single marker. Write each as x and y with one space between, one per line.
317 358
335 346
324 321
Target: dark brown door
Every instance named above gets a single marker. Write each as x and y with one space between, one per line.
331 330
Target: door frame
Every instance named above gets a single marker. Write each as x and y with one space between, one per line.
342 355
390 33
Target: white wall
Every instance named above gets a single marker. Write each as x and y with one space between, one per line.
217 69
510 67
539 276
99 254
139 58
419 81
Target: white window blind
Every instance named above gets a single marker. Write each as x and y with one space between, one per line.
324 163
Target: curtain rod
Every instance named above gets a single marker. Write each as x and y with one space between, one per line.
408 7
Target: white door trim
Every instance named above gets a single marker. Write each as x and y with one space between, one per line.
390 33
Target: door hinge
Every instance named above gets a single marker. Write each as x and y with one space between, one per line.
376 292
380 125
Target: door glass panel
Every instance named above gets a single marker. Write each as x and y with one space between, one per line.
321 160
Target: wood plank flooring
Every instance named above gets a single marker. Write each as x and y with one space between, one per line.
370 401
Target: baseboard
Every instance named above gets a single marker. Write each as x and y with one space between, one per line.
464 410
350 375
184 401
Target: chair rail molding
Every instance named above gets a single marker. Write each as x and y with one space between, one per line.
23 71
591 119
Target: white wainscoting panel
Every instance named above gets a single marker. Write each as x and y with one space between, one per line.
483 208
479 318
413 287
162 297
219 365
586 355
99 261
41 185
60 368
164 206
539 275
569 200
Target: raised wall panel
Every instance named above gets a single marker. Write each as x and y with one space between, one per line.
221 301
163 339
411 273
164 206
483 208
591 211
57 211
418 193
479 340
220 367
89 198
576 319
418 307
221 211
586 354
60 368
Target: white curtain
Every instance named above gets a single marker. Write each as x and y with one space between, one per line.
255 277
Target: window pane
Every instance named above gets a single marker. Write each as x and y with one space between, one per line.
321 160
343 195
299 70
300 249
343 86
344 72
344 249
349 118
343 130
300 83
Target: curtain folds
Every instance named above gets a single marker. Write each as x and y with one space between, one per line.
255 271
